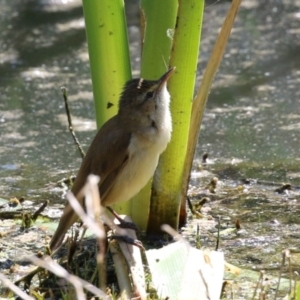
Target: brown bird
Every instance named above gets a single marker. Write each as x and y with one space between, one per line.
126 149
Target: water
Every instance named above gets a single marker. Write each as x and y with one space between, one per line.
253 109
252 112
43 48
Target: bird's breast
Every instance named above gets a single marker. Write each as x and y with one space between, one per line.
136 173
145 147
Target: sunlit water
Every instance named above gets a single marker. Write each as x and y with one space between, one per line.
252 112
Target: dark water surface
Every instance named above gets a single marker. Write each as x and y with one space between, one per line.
253 110
251 125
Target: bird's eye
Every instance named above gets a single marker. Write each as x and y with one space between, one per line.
149 95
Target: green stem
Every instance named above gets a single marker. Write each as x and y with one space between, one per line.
157 30
108 52
202 94
166 196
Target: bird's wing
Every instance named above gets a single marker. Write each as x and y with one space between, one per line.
106 156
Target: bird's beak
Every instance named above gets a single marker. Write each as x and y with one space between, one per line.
163 79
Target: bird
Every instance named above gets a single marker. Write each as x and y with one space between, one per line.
126 149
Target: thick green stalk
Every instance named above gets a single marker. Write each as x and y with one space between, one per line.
109 59
202 94
157 43
108 52
159 17
167 184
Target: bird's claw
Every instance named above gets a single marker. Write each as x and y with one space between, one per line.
128 225
128 240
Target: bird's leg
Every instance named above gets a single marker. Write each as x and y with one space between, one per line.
123 224
128 240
